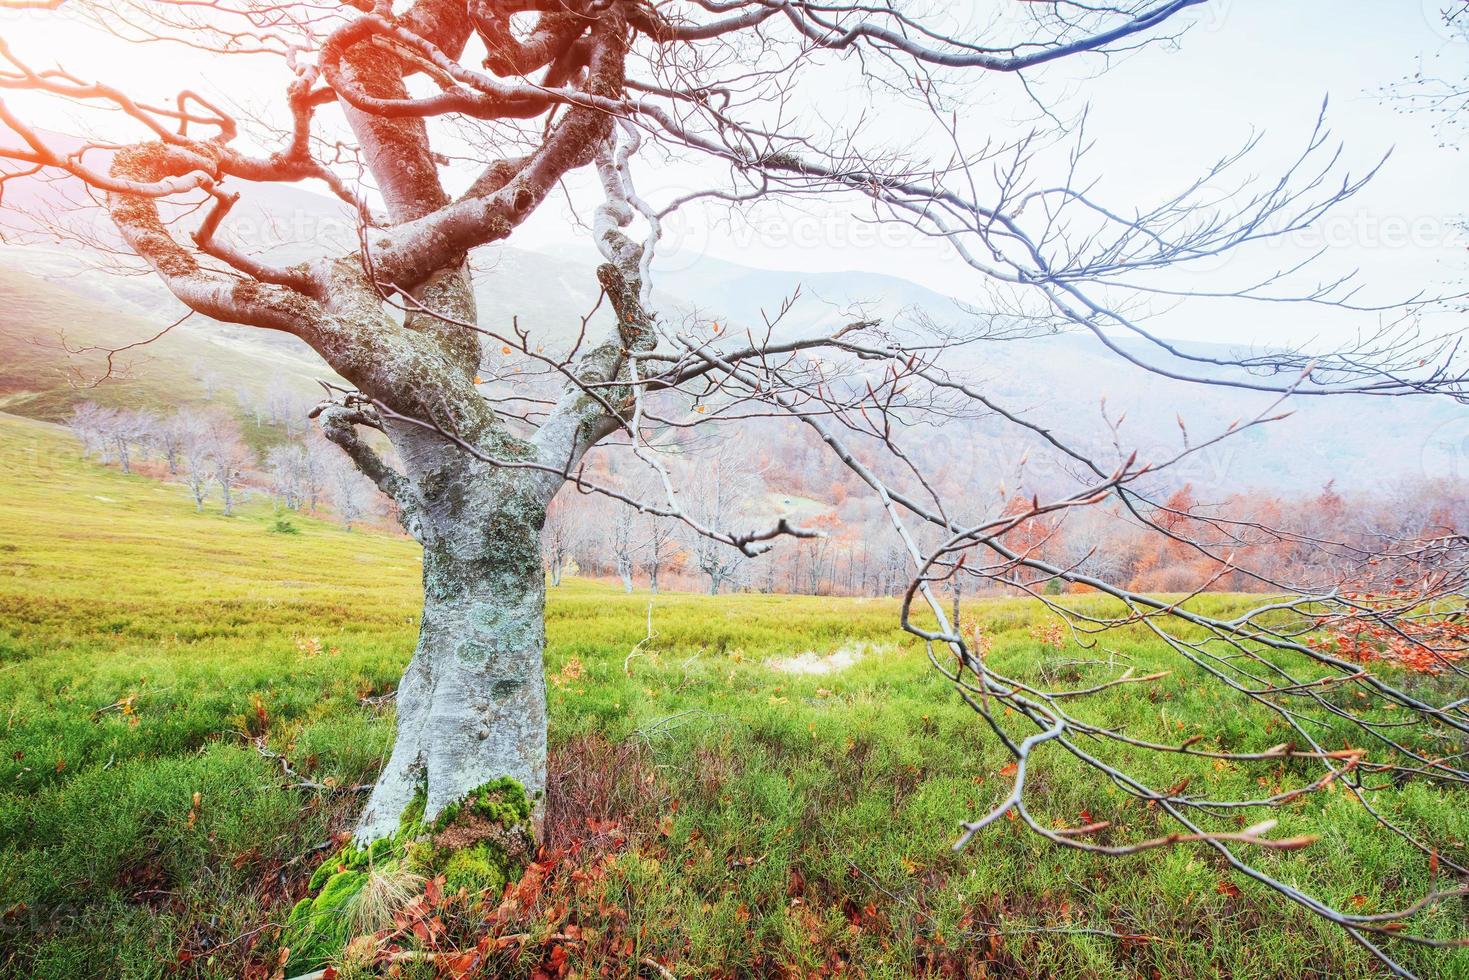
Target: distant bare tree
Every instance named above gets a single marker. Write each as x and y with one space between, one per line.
287 464
659 546
316 467
136 427
608 537
281 405
167 436
252 401
624 551
769 573
892 570
720 491
1440 89
91 424
229 459
350 493
196 462
559 539
209 378
120 435
112 433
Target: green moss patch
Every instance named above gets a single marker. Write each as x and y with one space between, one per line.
479 844
482 842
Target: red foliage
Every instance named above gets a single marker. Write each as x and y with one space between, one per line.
1426 644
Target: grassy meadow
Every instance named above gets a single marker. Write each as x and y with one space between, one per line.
188 703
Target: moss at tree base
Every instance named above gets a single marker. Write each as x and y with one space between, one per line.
479 844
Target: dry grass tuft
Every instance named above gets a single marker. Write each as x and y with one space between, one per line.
387 890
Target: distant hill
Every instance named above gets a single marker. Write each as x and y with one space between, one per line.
48 325
1059 381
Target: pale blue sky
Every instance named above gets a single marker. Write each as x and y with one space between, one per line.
1246 66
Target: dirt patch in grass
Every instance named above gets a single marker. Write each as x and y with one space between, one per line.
812 662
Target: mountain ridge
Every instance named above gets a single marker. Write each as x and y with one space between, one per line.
1067 382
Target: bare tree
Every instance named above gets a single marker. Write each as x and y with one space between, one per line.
252 401
281 405
229 457
768 574
209 378
317 465
287 464
610 536
350 493
659 547
817 553
739 85
1441 91
113 433
120 435
145 426
91 424
167 437
196 461
559 538
624 550
721 489
126 430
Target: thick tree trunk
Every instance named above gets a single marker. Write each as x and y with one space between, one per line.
472 704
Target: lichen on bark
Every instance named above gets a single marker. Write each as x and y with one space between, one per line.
471 705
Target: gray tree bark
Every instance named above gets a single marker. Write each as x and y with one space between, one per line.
472 703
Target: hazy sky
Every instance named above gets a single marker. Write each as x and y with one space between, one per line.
1245 67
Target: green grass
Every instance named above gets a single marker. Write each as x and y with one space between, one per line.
775 824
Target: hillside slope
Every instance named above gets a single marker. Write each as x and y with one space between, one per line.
1060 382
49 356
